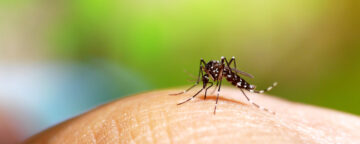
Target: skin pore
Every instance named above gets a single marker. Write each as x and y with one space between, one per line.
155 117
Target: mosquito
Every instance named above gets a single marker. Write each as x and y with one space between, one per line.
214 71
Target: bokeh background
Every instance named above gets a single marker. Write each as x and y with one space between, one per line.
61 58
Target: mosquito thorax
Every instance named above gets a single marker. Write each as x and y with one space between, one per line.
214 67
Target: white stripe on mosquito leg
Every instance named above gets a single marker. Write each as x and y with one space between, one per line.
270 111
275 84
252 91
262 108
269 88
262 91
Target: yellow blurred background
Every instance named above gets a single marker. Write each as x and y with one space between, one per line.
61 58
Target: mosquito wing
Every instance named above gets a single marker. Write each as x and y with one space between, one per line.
242 73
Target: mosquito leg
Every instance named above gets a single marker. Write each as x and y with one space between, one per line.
228 63
217 96
217 84
265 90
219 80
232 60
205 82
191 97
211 84
256 105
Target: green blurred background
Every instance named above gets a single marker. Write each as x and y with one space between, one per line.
310 47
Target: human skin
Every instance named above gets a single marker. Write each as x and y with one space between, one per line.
155 117
9 129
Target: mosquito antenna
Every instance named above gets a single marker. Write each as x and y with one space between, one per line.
190 74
